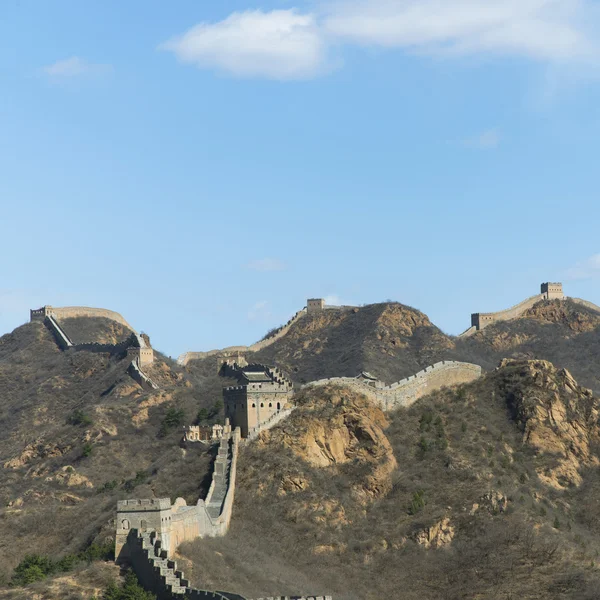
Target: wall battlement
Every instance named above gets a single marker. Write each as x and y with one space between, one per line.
176 522
479 321
263 392
136 346
407 391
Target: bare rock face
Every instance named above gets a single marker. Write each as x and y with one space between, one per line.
573 316
336 426
558 417
494 502
438 535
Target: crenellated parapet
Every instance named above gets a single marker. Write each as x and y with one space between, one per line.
261 395
479 321
407 391
137 346
175 523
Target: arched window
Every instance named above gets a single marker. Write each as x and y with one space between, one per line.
262 405
253 405
270 405
278 406
125 524
143 525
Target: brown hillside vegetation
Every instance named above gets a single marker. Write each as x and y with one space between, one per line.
560 331
393 341
473 492
77 434
389 340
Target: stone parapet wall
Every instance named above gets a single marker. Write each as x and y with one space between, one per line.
587 304
186 357
276 418
68 312
406 392
277 335
176 523
62 338
482 320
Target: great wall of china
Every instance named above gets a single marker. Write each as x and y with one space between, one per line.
549 291
149 531
137 346
406 392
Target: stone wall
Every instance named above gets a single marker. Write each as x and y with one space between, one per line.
406 392
253 403
68 312
482 320
62 339
235 351
587 304
479 321
178 522
136 346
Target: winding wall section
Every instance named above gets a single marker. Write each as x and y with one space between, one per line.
271 339
406 392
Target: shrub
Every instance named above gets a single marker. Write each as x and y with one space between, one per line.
418 502
78 417
131 590
33 567
108 486
87 450
140 477
173 418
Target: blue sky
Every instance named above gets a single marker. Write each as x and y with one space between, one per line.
204 167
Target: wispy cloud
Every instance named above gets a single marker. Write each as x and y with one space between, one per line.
486 140
289 44
266 264
259 311
586 269
74 67
281 44
547 30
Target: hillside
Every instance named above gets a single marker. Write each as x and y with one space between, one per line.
77 433
561 331
477 492
389 340
489 490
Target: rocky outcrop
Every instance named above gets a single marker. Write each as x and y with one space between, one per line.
576 317
438 535
558 417
333 426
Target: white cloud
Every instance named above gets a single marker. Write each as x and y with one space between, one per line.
547 30
288 44
259 311
281 44
74 67
587 269
266 264
487 140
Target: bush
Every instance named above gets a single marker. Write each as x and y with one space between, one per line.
87 450
33 567
131 590
78 417
173 418
140 477
418 502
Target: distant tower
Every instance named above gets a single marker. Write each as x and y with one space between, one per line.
315 305
552 291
